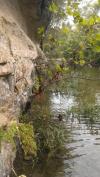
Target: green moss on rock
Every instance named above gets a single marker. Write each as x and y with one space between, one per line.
25 133
27 138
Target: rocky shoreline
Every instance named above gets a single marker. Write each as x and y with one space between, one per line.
19 54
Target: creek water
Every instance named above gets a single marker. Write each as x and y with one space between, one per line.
77 99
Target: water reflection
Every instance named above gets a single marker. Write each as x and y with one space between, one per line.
79 102
61 103
83 119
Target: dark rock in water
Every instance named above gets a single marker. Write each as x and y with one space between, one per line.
95 63
60 117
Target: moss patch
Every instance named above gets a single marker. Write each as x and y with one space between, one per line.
27 139
25 133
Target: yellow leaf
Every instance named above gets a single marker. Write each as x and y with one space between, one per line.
82 62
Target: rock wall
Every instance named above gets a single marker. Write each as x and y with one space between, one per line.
19 55
36 14
7 156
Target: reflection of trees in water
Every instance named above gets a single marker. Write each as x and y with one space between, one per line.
88 112
84 91
46 168
88 115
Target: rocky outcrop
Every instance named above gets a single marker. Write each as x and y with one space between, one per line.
6 159
17 71
19 55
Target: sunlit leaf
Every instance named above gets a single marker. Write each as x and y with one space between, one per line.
41 30
97 49
82 62
69 11
97 37
91 21
84 22
53 7
65 29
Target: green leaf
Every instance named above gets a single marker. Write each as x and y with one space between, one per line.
97 49
75 5
91 21
97 37
53 8
82 62
41 30
69 11
65 29
84 22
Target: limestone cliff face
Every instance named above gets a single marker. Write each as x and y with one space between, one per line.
19 54
19 20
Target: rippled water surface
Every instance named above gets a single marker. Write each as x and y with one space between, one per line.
77 98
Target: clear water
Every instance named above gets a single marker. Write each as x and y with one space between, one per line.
78 100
